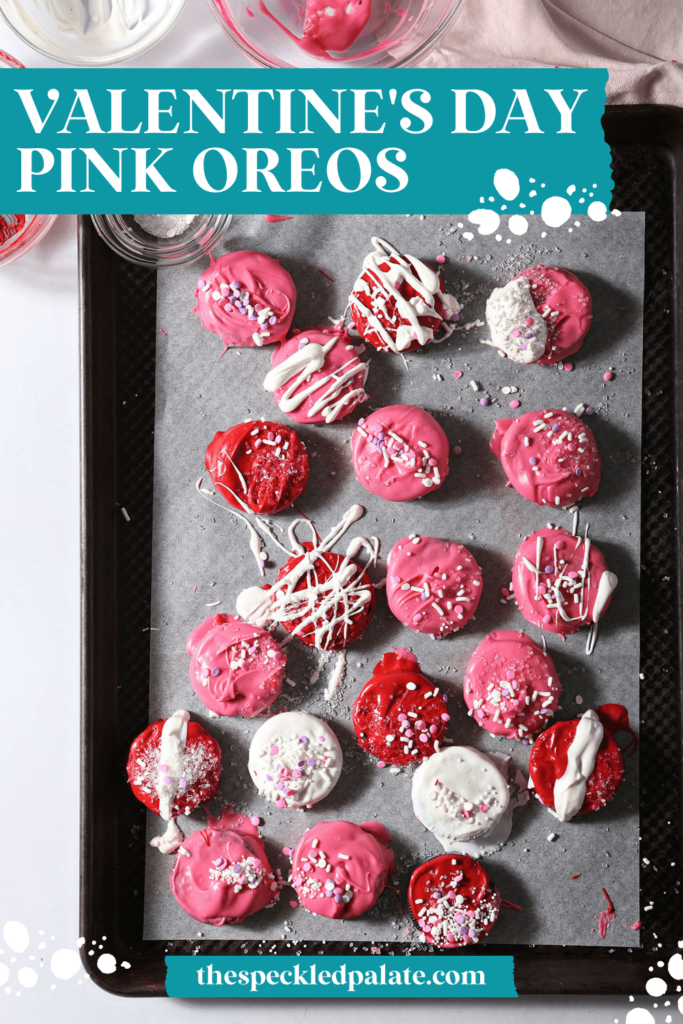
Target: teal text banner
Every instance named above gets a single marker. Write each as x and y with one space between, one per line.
251 141
335 977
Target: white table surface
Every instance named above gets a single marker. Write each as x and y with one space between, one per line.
39 693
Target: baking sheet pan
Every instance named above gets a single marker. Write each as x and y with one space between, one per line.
118 394
201 554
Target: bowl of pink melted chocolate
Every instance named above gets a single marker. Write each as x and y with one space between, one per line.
322 33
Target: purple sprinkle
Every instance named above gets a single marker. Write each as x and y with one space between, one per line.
555 427
337 899
460 918
533 461
472 933
300 764
456 316
522 344
549 569
220 862
272 321
280 785
303 739
233 299
243 310
578 472
270 778
311 762
236 284
252 316
464 930
483 401
529 334
589 410
215 671
183 783
457 449
201 282
167 780
302 344
238 869
328 892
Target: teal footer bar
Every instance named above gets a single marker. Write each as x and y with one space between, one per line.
330 977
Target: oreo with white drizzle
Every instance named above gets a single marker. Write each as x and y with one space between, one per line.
295 760
398 303
561 582
323 598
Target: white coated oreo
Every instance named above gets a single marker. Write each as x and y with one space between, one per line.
459 794
295 759
517 328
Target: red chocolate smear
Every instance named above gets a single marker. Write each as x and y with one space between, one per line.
605 917
576 876
614 718
635 927
326 275
509 906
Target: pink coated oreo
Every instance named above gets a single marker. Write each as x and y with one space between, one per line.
400 453
246 298
433 585
359 862
236 669
566 306
511 685
561 582
549 456
221 874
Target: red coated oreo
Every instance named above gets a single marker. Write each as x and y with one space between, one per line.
190 777
548 764
453 900
399 715
330 604
258 466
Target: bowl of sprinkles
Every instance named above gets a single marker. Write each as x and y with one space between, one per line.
161 240
20 232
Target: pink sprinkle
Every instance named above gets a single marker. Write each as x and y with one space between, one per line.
433 462
459 609
433 730
480 713
183 783
256 820
608 376
403 718
514 404
280 803
257 442
568 367
161 331
271 435
457 449
275 750
381 764
528 322
287 851
445 718
483 807
458 374
293 903
547 618
510 674
440 259
466 814
423 737
163 767
516 333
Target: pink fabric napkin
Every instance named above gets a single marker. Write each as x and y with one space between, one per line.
638 41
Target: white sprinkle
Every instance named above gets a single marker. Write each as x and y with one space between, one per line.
125 515
212 605
552 837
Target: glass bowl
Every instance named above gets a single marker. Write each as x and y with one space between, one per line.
398 33
74 31
127 238
35 227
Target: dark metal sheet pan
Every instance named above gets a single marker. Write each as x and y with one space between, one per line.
118 336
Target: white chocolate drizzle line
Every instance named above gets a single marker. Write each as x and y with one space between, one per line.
172 755
255 540
309 359
385 286
569 791
316 600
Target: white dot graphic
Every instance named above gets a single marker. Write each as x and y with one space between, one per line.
518 225
555 211
639 1016
506 183
655 987
27 977
106 963
597 211
487 221
65 963
15 935
676 967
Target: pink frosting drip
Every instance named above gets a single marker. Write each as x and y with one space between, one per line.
563 554
568 302
370 862
269 286
507 668
439 606
206 884
335 24
406 457
250 666
560 463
